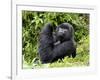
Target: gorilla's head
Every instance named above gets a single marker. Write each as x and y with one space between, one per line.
64 32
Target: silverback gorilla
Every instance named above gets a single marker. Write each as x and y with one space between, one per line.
56 45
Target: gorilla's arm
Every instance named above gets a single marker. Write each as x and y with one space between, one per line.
46 44
63 50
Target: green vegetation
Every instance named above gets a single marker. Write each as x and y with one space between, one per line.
33 22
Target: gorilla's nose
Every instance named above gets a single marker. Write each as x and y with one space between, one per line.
61 34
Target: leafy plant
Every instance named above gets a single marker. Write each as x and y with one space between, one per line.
33 22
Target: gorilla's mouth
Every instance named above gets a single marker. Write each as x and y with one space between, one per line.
64 38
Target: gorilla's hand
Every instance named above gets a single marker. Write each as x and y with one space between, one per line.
48 29
57 43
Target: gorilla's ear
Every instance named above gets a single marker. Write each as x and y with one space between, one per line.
72 30
72 34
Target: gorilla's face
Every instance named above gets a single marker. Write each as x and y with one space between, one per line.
63 32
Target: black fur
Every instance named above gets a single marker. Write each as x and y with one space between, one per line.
49 51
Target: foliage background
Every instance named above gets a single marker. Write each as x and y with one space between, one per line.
33 22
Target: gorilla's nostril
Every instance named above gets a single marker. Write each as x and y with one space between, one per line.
60 34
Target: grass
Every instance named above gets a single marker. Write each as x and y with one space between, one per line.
82 58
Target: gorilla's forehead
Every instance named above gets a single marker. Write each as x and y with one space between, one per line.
65 26
62 29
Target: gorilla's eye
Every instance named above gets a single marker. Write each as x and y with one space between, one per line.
65 30
62 30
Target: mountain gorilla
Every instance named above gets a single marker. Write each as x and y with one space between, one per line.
56 45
